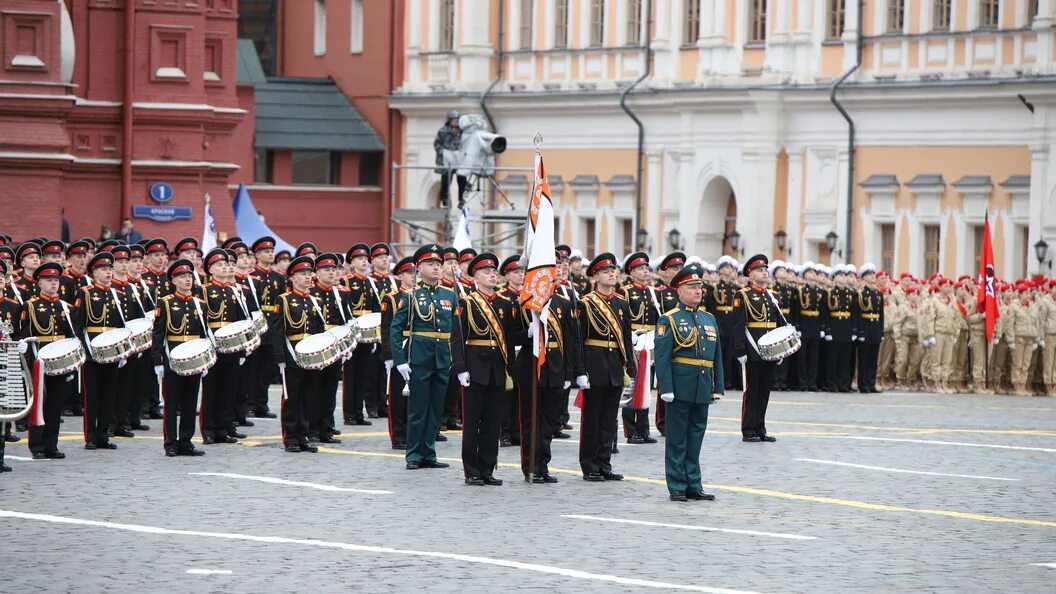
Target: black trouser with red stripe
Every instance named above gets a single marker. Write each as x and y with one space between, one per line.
301 384
452 403
482 409
266 372
548 420
99 386
323 403
57 388
597 428
126 391
756 397
180 394
397 409
361 381
218 396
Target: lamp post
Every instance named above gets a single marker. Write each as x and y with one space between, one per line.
674 239
781 238
733 239
831 240
1041 250
643 240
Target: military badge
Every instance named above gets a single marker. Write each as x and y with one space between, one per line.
661 330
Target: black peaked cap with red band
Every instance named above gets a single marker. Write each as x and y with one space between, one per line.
157 245
450 253
48 270
215 255
53 247
485 260
187 243
264 243
672 259
379 249
467 255
99 260
327 259
405 265
305 249
635 260
510 264
178 267
357 250
300 263
601 262
754 262
78 247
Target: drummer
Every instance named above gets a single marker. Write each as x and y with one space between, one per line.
222 307
755 312
334 301
95 312
47 319
179 318
130 307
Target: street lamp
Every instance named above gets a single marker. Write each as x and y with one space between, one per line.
830 242
674 238
782 242
643 239
1041 249
733 238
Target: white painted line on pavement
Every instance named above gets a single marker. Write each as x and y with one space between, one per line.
903 471
277 481
690 527
962 444
1049 565
209 571
19 458
548 569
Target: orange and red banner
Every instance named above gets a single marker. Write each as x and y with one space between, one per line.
538 259
987 296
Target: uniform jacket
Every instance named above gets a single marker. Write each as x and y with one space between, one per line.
176 320
841 308
298 319
95 312
685 336
755 311
605 327
871 315
434 343
490 329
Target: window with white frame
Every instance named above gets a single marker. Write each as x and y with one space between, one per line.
896 14
887 247
989 12
691 22
940 15
446 41
525 33
589 243
597 23
834 28
319 34
560 23
1032 11
356 40
757 21
932 243
634 22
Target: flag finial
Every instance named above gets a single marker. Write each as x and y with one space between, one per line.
538 140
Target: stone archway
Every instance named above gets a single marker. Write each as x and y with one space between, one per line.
714 218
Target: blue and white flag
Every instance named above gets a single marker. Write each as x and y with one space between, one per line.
462 239
209 233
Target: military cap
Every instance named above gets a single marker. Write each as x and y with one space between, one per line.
357 250
689 275
26 249
282 255
466 255
428 252
672 259
53 247
156 245
187 243
635 260
300 263
754 262
405 265
135 251
216 255
78 247
239 247
326 259
379 249
483 261
40 241
264 243
120 252
510 264
563 252
601 262
7 252
47 270
229 241
109 244
100 260
178 267
306 248
450 253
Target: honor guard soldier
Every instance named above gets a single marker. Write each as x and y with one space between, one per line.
75 275
566 289
27 258
247 372
156 261
46 319
147 395
333 299
870 329
222 307
179 318
605 325
450 268
756 312
96 312
129 307
841 305
488 323
787 294
306 249
643 301
688 372
269 284
359 378
513 273
810 302
465 284
667 269
405 273
433 349
299 318
719 302
381 283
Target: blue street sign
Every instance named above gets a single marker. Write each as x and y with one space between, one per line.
161 192
161 214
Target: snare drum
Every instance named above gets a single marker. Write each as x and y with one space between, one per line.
192 357
112 346
346 338
318 351
260 323
62 356
237 337
369 327
142 333
779 343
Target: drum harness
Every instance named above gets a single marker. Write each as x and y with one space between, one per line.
318 312
751 340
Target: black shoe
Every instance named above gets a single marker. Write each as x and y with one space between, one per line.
141 427
56 455
566 427
399 445
700 495
334 431
350 421
441 437
454 426
769 438
538 479
434 464
171 452
505 442
615 448
594 477
492 481
293 448
39 456
246 423
226 439
751 438
155 414
106 446
413 466
328 439
648 439
90 445
5 468
635 439
549 478
208 440
306 446
363 422
678 496
12 438
235 434
561 435
122 432
474 481
266 415
612 476
79 412
372 415
189 450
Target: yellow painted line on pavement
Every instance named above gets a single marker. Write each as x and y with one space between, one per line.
761 492
901 429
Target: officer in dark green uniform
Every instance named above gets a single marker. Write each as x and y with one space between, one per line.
688 360
433 352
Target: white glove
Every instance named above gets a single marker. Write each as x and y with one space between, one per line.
567 385
742 359
932 341
997 339
405 371
1011 346
854 337
581 381
532 331
388 366
828 338
122 363
159 371
1041 344
23 346
241 361
463 378
634 338
822 333
861 339
668 397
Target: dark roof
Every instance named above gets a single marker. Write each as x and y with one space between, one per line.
310 114
249 69
620 180
927 179
1017 181
880 180
584 180
973 181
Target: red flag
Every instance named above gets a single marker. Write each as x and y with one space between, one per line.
987 297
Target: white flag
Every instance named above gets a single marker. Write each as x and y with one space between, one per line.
462 239
209 233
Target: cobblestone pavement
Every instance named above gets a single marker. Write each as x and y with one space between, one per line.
824 506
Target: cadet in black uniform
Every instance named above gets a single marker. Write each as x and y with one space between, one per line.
719 303
333 300
870 329
222 307
566 289
670 266
488 321
269 285
842 324
643 301
755 309
27 258
47 319
810 303
298 319
180 317
513 273
605 325
405 273
75 275
129 307
381 283
95 313
787 295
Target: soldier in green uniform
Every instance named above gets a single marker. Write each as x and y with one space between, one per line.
688 360
432 352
